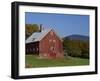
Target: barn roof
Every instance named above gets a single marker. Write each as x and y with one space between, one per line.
37 36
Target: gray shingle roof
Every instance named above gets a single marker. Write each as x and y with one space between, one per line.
37 36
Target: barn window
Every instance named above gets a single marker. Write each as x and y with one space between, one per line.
51 32
30 49
54 41
50 40
52 48
33 49
37 49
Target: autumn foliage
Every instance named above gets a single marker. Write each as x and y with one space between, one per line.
76 48
30 28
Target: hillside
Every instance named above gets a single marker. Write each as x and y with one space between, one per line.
77 37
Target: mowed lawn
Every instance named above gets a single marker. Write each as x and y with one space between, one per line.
32 61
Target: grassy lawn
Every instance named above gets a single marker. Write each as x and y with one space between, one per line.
33 61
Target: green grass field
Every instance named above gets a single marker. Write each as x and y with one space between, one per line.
32 61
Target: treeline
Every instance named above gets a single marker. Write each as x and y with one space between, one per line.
76 48
30 28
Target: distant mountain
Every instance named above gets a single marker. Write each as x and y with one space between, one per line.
77 37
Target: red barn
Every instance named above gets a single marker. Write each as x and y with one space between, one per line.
45 43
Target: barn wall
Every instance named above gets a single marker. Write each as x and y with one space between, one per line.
44 47
32 48
49 41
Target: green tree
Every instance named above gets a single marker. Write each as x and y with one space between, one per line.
76 48
85 50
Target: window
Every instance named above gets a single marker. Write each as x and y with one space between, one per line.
37 49
54 41
30 49
52 48
51 32
33 49
50 40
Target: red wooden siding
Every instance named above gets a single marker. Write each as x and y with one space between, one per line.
51 46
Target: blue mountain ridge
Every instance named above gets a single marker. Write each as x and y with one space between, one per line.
77 37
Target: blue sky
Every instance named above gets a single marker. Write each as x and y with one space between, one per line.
63 24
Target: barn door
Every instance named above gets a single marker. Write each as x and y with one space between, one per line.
52 52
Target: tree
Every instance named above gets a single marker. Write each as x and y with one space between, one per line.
85 50
30 28
76 48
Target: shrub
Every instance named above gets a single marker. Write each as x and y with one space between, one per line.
76 48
